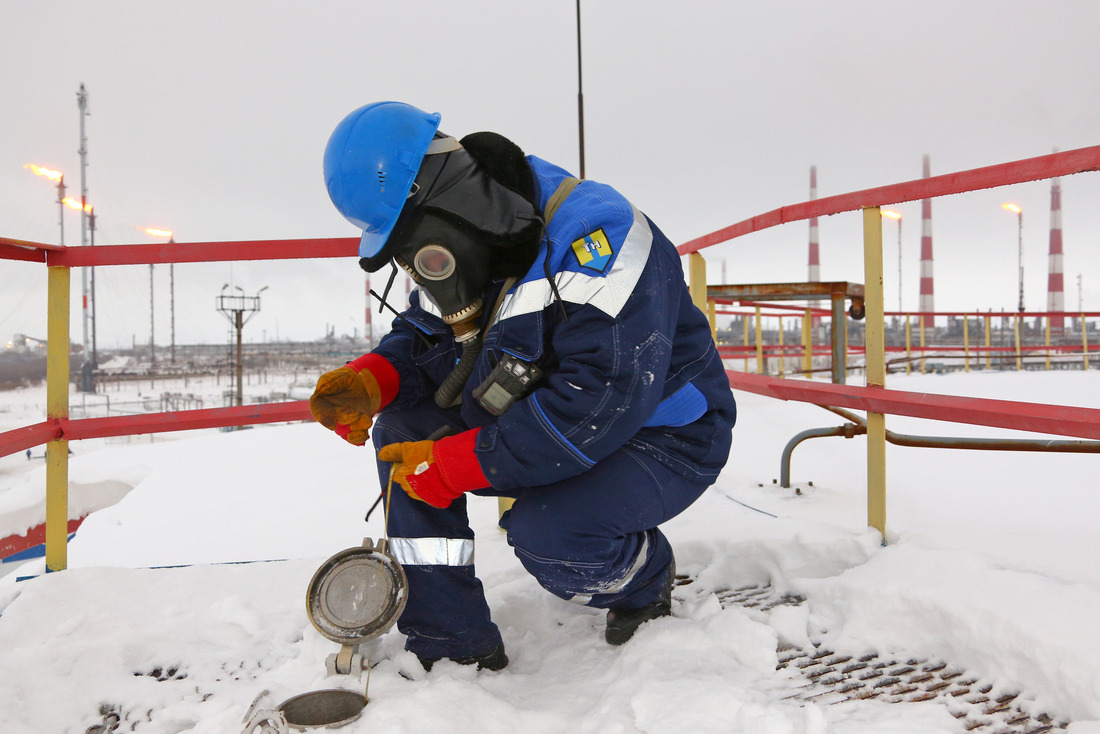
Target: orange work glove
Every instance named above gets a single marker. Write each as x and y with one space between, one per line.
346 399
436 472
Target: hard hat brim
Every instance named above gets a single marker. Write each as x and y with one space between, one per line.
371 243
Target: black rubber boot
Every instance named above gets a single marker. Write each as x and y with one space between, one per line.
622 623
496 659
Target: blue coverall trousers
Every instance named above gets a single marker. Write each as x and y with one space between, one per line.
591 539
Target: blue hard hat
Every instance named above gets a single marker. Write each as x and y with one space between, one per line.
371 160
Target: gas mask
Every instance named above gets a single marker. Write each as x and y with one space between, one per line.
470 219
450 262
459 230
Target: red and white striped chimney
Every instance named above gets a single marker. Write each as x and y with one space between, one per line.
815 254
1056 295
927 301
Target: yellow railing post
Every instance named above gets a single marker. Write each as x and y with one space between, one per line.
1019 360
807 345
697 286
908 345
844 325
966 342
712 316
922 343
759 344
1048 341
57 408
745 323
1085 340
875 356
779 321
988 342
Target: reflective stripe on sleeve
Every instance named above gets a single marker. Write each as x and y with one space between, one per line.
432 551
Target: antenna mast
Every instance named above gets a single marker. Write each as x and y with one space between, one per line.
87 380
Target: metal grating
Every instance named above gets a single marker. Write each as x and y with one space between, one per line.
829 679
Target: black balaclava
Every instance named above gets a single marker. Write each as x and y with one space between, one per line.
472 218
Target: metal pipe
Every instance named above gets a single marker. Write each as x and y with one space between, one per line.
847 431
858 427
840 356
980 444
580 92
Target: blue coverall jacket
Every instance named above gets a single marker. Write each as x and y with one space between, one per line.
630 423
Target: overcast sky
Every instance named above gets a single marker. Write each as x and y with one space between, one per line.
209 118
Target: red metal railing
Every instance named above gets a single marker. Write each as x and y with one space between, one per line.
1005 174
1060 420
1025 416
27 437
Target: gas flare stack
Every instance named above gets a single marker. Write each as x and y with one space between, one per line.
815 255
1056 295
927 301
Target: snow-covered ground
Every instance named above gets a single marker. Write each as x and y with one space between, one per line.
992 566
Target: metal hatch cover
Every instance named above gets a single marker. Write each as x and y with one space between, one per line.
357 594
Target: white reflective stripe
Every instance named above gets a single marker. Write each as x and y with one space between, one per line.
608 292
432 551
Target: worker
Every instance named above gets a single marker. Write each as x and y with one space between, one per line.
550 353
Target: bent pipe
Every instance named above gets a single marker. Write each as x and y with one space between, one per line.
859 427
849 430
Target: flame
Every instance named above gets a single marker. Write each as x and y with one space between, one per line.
1012 208
891 214
54 176
158 232
74 204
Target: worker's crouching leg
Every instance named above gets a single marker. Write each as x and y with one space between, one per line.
593 539
446 615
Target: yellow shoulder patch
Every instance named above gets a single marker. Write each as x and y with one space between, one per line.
593 250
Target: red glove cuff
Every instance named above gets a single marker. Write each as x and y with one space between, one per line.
458 465
385 373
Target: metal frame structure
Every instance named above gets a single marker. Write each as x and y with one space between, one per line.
837 292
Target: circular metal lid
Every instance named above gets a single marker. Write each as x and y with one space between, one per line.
357 594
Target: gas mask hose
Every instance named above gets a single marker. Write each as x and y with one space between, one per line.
470 336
